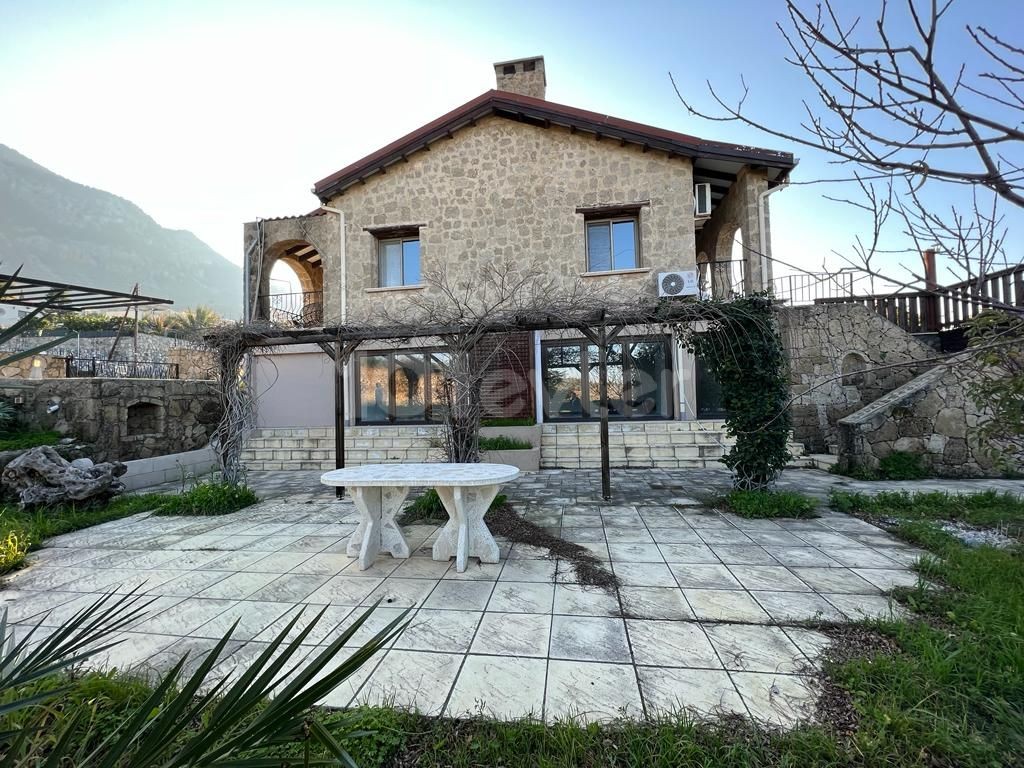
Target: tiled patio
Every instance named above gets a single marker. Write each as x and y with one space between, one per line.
709 618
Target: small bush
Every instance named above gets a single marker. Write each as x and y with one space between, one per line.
509 421
901 465
12 550
427 507
23 440
504 443
209 498
770 504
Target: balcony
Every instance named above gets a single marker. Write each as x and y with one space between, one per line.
295 310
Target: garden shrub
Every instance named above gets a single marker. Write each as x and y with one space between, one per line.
504 443
509 421
901 465
770 504
209 498
19 440
12 550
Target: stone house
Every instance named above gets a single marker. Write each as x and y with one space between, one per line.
510 177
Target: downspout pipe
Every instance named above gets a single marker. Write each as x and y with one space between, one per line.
762 227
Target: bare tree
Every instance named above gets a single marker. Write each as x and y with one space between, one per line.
931 146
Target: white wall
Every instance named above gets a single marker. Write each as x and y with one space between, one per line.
295 388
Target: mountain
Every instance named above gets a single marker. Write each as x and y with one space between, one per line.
71 233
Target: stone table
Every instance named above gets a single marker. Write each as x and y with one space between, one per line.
466 490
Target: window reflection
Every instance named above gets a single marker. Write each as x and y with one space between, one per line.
403 386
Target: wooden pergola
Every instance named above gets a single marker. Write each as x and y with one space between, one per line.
601 327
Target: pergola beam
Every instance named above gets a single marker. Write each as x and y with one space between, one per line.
30 292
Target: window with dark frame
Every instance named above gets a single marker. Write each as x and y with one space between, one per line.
398 260
639 380
400 386
613 243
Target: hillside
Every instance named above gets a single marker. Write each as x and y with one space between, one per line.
71 233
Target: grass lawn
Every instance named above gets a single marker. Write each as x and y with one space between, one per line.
950 694
768 504
983 510
20 440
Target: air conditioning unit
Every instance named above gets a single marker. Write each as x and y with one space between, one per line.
682 283
701 200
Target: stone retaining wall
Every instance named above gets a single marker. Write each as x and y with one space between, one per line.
667 444
313 447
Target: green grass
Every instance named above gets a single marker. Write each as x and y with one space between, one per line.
208 498
984 510
898 465
427 508
509 421
504 443
769 504
22 440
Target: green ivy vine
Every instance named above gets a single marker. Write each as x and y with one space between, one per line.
742 347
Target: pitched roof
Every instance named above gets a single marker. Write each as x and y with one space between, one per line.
545 113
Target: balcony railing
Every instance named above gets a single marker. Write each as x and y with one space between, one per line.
85 367
302 310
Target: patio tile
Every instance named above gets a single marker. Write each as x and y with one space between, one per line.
477 571
589 638
252 616
635 553
238 586
654 603
263 543
628 535
701 692
188 584
132 650
861 557
835 580
679 534
411 680
777 699
768 577
752 648
291 587
501 688
528 570
886 579
591 691
859 607
377 620
798 606
323 631
671 644
644 574
521 597
513 634
811 643
343 694
326 563
279 562
707 521
688 553
827 540
526 552
40 578
421 568
726 536
724 605
313 544
801 557
582 535
344 590
404 593
578 600
460 595
235 561
703 576
444 631
186 616
779 538
740 554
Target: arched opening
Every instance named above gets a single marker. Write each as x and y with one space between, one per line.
143 418
292 284
737 263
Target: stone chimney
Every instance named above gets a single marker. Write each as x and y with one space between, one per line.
522 76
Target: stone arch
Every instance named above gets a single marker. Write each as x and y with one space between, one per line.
304 308
143 417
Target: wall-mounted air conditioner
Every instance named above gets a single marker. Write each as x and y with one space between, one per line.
683 283
701 200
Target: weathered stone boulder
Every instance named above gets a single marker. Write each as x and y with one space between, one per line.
41 477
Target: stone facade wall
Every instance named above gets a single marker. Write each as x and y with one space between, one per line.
195 363
98 411
152 348
931 416
51 368
823 342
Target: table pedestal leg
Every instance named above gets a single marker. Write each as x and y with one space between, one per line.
466 534
377 529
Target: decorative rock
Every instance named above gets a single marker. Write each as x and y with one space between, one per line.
41 477
82 463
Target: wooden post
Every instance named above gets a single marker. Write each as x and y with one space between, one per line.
602 365
339 413
931 319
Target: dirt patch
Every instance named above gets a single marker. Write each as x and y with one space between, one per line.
848 642
503 520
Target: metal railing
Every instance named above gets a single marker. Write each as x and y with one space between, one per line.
303 310
945 307
85 367
806 288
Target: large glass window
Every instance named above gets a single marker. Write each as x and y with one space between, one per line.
398 262
401 386
612 244
639 380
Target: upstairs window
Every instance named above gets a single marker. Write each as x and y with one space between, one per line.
398 261
613 244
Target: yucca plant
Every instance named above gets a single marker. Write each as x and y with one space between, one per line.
185 721
19 327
